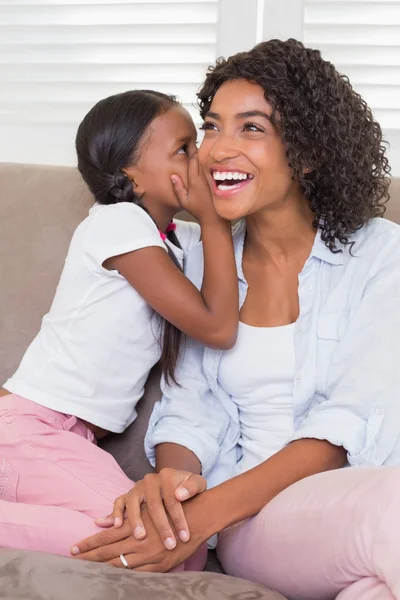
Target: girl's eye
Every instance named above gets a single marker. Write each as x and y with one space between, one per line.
252 127
207 126
183 149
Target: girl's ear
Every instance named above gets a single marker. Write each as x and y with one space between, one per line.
134 176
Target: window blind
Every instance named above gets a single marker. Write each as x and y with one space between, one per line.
362 39
59 57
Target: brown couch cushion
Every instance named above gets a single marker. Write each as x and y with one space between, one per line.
38 576
393 206
39 209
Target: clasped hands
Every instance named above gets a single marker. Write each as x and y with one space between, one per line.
148 525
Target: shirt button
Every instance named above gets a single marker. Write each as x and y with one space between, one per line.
378 410
298 375
309 288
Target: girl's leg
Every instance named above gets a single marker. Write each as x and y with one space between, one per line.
51 459
322 535
51 529
54 480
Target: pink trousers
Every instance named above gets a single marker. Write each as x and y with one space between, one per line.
333 535
54 480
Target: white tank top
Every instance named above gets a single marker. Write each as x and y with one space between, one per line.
259 374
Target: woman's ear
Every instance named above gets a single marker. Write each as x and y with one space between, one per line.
134 176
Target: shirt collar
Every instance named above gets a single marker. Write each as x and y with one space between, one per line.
319 249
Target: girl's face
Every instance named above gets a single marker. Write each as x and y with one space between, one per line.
166 145
243 154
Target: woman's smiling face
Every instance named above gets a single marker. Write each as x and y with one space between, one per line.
243 154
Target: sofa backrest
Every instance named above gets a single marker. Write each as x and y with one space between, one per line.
40 207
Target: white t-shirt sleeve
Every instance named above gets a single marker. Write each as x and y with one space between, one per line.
117 229
188 234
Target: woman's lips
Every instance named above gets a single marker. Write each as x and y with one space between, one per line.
226 191
228 181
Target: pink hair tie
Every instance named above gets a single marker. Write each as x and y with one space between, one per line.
171 227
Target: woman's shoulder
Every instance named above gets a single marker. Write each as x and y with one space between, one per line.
377 235
376 250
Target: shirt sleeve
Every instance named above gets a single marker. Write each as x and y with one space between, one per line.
189 414
117 229
362 409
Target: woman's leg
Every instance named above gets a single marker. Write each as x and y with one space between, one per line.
330 533
368 588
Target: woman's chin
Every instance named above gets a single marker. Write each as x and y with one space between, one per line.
229 212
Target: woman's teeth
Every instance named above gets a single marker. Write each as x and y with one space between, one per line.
226 180
222 175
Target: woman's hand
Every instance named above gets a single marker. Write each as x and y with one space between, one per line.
148 554
197 198
163 494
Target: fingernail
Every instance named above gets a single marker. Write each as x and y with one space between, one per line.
102 519
183 536
183 494
173 179
169 543
75 550
117 522
139 532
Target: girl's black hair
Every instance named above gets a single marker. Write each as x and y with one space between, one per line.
109 140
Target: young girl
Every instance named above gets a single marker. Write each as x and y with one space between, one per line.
86 370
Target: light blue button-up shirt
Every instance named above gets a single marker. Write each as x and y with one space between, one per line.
347 348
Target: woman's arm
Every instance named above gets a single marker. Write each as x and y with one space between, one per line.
176 457
245 495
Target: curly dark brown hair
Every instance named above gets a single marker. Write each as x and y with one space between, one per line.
326 126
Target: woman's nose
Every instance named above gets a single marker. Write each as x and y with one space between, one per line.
223 148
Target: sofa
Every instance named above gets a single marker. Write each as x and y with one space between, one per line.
40 206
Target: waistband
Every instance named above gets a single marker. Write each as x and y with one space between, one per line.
12 403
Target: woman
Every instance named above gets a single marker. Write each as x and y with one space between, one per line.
313 383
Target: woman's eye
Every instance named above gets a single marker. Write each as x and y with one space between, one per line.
252 127
207 126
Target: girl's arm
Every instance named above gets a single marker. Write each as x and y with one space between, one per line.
212 314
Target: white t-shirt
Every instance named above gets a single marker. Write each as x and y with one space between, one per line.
258 372
100 338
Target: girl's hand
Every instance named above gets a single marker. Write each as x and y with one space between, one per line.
145 555
196 199
162 493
